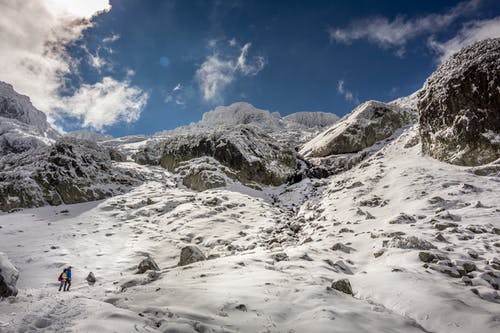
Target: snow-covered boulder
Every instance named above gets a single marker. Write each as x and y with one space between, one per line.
459 107
69 171
369 123
191 254
252 155
8 277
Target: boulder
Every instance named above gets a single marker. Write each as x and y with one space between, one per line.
8 277
458 105
147 264
343 285
369 123
190 254
426 256
91 278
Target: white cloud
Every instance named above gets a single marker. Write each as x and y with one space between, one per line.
33 56
396 33
217 72
347 94
232 42
105 103
252 68
112 38
471 32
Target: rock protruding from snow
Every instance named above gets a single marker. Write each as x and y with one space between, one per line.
147 264
252 156
190 254
367 124
70 171
343 285
459 107
91 279
8 277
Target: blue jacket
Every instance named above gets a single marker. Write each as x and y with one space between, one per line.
68 273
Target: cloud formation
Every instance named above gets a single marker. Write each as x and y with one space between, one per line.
470 33
105 103
347 94
217 72
397 32
34 36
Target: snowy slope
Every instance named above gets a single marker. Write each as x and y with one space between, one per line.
272 256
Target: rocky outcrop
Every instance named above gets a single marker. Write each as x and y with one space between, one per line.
191 254
69 171
8 277
147 264
459 107
252 156
22 126
367 124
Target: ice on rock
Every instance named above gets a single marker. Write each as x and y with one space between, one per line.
8 277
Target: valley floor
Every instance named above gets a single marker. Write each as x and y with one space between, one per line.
272 255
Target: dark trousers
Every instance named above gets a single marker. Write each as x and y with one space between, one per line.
65 284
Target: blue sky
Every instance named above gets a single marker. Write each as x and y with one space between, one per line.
143 66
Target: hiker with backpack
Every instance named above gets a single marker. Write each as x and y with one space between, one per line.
65 279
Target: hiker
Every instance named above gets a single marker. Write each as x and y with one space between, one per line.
62 279
65 279
68 278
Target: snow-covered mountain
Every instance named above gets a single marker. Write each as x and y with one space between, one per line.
242 113
229 225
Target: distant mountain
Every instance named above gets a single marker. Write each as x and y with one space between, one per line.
89 135
242 113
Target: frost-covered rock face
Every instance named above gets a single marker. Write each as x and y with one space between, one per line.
22 126
460 107
367 124
19 107
8 277
310 119
251 155
70 171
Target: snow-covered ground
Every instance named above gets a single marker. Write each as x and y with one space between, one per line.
272 255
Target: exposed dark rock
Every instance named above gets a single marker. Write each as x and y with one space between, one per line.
343 285
190 254
426 256
458 105
147 264
91 278
70 171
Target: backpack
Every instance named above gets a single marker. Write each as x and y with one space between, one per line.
60 277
